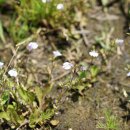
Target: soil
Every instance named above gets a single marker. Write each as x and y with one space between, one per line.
86 111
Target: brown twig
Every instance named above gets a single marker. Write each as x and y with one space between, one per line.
86 43
60 76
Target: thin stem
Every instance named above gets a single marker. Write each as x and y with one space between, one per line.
11 60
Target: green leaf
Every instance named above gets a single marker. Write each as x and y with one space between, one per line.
5 97
40 95
100 41
26 96
94 70
38 117
42 92
82 74
48 114
14 117
34 118
4 115
2 1
81 88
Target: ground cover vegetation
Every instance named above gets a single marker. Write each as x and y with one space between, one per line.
64 65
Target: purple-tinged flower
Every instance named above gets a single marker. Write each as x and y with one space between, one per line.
119 41
32 46
83 68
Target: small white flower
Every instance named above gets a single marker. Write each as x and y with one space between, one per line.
32 46
13 73
119 41
93 53
45 1
1 65
56 53
128 74
67 65
60 6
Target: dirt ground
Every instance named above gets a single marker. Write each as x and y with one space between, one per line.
84 112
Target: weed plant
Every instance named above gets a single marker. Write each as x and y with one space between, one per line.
82 77
19 105
111 122
27 16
